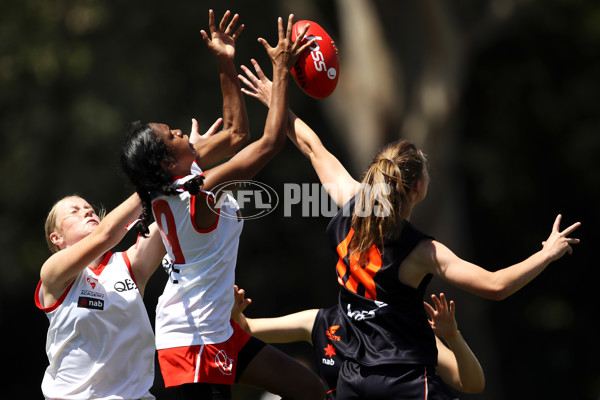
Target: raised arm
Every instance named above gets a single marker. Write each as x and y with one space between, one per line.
334 177
286 329
235 130
457 365
145 256
433 257
246 163
60 269
252 158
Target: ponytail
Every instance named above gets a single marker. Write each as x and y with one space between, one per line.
383 201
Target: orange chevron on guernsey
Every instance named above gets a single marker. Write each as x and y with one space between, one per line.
358 276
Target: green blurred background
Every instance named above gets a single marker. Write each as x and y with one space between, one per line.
503 95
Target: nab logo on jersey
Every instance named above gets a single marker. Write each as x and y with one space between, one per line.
91 303
330 352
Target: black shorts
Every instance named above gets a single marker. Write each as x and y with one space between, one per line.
406 382
247 354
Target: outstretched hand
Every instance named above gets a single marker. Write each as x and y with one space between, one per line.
286 52
443 322
195 136
558 243
257 86
240 302
222 38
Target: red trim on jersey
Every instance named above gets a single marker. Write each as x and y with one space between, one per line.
137 240
131 224
128 264
98 270
38 293
193 215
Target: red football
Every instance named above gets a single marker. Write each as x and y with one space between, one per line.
318 68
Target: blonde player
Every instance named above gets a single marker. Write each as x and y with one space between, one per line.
99 329
384 263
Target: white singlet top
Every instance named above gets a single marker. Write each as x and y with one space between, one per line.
99 341
195 307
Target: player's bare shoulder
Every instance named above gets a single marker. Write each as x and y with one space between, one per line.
419 262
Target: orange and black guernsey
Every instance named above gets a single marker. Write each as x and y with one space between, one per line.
386 320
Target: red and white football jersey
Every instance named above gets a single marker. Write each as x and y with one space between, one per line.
195 306
99 341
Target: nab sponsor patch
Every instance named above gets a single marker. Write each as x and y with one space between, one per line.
89 302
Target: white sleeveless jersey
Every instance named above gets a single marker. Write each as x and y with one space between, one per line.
100 341
195 307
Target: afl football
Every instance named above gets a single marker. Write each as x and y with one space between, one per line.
318 68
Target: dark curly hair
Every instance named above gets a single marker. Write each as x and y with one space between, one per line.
141 158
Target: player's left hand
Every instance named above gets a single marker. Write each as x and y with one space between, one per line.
559 242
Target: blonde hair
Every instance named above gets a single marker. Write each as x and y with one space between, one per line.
383 201
51 227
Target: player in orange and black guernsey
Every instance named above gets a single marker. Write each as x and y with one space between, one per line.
381 301
327 331
386 318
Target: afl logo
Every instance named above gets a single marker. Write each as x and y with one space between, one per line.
244 199
224 363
